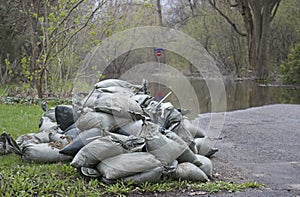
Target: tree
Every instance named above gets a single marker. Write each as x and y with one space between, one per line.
257 16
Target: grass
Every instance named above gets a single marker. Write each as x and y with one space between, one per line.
18 178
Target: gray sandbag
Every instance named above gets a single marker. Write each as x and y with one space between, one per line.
59 138
205 146
133 128
117 90
64 116
102 121
164 149
96 151
183 133
119 83
42 153
187 155
207 165
170 115
90 172
127 164
36 138
8 145
142 99
117 105
188 171
194 129
150 176
47 124
50 114
80 141
72 133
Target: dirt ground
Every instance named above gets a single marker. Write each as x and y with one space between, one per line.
260 144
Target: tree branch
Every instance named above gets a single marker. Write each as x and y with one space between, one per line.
275 10
213 4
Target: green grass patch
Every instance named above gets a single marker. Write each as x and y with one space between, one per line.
18 178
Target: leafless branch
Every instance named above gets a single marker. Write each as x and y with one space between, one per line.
213 4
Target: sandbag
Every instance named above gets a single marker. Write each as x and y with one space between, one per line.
72 133
150 176
64 116
42 153
36 138
207 166
50 113
142 99
117 90
47 124
194 130
187 155
80 141
164 149
119 83
90 172
101 121
205 146
127 164
98 150
188 171
183 133
8 145
133 128
117 105
59 138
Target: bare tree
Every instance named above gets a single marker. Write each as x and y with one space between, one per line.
257 16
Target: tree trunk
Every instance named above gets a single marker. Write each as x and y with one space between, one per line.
158 4
257 16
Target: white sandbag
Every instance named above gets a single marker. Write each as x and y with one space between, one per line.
42 153
205 146
102 121
117 105
127 164
150 176
207 166
98 150
188 171
117 90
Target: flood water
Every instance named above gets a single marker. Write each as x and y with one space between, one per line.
239 95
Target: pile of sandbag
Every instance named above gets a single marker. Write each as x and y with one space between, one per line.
118 131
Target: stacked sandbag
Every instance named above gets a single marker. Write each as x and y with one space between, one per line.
118 131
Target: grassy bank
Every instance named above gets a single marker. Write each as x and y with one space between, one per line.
18 178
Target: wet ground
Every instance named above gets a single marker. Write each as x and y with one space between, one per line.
260 144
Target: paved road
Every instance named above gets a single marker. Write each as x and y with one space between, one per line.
261 144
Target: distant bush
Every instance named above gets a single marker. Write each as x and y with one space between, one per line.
290 69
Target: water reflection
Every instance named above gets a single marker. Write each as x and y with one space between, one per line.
239 95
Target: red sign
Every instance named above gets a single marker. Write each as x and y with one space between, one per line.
158 53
